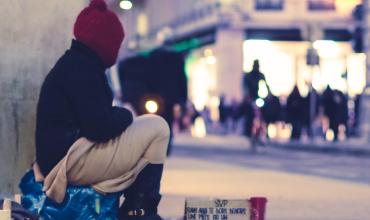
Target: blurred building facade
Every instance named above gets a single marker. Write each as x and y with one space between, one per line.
365 104
223 37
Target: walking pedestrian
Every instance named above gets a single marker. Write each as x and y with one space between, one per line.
295 114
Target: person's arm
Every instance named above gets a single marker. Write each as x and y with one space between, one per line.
98 120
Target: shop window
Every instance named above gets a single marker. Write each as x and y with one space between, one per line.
269 4
321 5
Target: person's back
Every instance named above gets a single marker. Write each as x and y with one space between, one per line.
74 87
294 105
294 110
56 124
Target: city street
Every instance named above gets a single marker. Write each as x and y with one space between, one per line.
83 83
298 185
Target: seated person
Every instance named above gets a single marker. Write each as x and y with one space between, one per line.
81 139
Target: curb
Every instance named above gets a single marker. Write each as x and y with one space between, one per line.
321 148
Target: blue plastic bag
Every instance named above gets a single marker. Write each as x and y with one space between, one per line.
80 203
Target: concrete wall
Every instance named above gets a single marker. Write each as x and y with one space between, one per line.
34 33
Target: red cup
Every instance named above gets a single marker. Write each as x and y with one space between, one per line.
258 208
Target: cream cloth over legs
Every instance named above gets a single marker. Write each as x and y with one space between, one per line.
112 166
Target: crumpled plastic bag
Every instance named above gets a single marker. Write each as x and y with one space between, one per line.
80 203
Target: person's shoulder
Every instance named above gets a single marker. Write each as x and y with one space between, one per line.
75 63
74 58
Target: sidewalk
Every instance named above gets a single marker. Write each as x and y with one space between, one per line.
208 172
353 147
230 142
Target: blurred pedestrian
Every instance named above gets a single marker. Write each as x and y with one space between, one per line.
234 114
295 113
326 99
194 113
271 110
105 147
223 111
258 136
206 115
336 109
357 112
308 120
251 81
248 113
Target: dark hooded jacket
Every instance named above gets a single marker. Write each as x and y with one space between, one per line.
75 101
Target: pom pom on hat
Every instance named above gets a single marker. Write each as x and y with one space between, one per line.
101 30
98 4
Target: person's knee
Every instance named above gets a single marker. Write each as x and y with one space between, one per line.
157 151
158 123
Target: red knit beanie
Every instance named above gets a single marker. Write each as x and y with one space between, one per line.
100 30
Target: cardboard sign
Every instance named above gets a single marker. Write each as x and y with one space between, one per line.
217 209
5 215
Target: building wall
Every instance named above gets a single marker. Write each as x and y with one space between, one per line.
229 53
298 11
242 14
34 34
159 13
162 12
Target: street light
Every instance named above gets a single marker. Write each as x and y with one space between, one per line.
125 4
151 106
260 103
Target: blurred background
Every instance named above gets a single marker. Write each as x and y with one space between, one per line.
313 45
263 96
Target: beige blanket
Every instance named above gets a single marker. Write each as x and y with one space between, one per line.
112 166
55 184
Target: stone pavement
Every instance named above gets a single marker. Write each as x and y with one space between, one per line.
291 196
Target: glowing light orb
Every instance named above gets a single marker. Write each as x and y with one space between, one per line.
151 106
